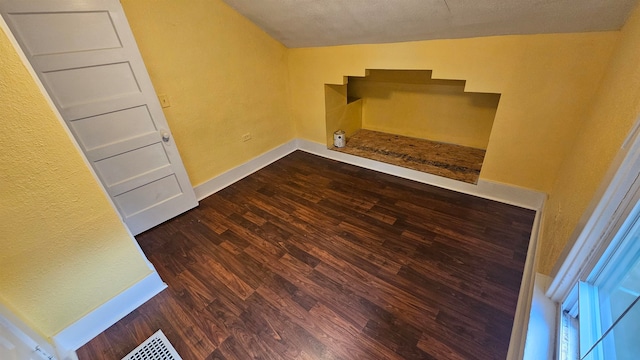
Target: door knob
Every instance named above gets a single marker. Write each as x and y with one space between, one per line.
165 135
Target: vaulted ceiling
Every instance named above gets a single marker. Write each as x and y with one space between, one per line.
307 23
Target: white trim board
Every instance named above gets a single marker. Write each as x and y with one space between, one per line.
519 331
486 189
240 172
91 325
541 331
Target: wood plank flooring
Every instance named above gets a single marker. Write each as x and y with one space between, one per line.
452 161
309 258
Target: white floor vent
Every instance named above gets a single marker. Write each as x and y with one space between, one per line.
157 347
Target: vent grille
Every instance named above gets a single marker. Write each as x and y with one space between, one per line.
157 347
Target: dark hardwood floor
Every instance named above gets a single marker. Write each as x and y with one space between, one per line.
310 258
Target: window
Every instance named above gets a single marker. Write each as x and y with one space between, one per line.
598 283
608 309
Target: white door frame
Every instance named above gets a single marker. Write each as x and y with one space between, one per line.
26 337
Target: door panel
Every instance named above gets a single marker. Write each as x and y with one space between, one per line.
94 34
91 84
85 55
131 164
139 199
95 131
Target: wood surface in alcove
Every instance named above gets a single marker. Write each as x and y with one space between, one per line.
408 119
447 160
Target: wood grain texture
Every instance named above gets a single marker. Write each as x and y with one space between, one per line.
452 161
310 258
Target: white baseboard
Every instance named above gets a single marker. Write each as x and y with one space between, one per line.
509 194
222 181
91 325
525 296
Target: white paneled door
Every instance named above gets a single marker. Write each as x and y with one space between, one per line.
86 57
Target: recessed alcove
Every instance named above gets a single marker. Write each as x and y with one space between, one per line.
409 119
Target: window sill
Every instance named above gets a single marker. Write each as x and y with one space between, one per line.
541 337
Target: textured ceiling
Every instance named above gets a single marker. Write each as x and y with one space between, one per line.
306 23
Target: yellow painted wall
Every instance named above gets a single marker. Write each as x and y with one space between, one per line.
64 250
608 120
410 103
224 77
546 82
340 113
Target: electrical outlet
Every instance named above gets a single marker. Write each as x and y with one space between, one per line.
246 137
164 100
